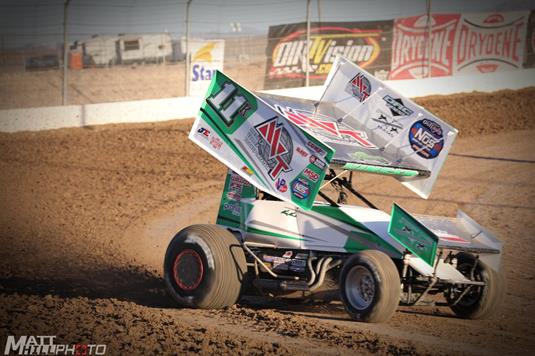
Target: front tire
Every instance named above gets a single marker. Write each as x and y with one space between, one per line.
480 302
370 286
205 267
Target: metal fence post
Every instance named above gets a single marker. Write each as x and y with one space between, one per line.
307 71
186 87
429 41
65 54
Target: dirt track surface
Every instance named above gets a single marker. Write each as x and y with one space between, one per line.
87 215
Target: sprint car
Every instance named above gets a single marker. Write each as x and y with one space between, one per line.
284 228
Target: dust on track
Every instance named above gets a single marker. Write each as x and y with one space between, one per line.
87 214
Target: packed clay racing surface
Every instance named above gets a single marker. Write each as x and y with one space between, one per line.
86 216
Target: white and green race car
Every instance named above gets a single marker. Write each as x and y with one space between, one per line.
281 232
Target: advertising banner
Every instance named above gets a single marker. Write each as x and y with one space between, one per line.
410 46
529 55
207 56
366 43
490 42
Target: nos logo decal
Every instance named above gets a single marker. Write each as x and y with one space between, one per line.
426 138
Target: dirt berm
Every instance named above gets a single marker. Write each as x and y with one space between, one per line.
86 215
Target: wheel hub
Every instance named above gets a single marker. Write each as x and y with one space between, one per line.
360 287
188 270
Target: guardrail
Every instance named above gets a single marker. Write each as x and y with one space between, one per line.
47 118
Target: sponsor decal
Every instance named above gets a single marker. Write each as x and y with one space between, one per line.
316 148
233 196
300 188
388 125
360 87
313 176
216 142
328 130
302 152
317 162
490 42
289 212
281 186
396 106
203 132
364 43
426 138
287 254
247 170
273 146
410 46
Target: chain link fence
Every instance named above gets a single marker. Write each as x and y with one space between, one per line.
128 50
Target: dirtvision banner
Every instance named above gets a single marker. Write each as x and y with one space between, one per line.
366 43
259 143
529 61
206 58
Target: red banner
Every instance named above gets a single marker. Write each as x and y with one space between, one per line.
410 49
490 42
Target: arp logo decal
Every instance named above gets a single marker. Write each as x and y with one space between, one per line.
426 138
281 186
300 188
275 146
396 106
360 87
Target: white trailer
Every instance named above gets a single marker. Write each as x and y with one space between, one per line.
100 50
145 48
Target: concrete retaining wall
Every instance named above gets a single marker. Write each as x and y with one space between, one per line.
46 118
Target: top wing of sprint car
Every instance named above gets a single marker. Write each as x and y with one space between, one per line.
284 146
358 124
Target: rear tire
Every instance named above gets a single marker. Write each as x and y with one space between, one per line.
205 267
370 286
480 302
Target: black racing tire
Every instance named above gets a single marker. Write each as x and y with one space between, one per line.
205 267
480 302
376 297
